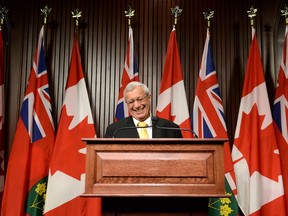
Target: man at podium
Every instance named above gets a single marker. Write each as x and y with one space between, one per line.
140 123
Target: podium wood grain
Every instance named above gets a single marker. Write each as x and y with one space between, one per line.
154 167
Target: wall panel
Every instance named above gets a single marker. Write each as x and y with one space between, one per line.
103 34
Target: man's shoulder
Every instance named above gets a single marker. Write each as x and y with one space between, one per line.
122 122
166 122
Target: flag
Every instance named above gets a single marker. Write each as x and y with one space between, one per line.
255 155
209 122
172 101
26 179
66 179
130 73
280 114
2 109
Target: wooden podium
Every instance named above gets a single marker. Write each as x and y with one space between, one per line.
154 168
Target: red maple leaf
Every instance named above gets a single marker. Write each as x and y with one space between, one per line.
66 156
166 113
258 145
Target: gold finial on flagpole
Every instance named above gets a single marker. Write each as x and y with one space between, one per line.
284 13
76 14
252 13
208 15
129 13
176 12
45 12
3 13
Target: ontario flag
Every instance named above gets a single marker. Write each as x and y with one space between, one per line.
209 122
280 114
130 73
2 110
255 154
67 168
27 172
172 101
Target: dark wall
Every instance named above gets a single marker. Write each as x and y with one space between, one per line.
103 36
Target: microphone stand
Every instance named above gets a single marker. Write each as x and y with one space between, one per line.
154 122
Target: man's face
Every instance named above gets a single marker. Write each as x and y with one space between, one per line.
138 103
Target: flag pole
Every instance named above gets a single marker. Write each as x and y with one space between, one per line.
45 12
76 14
251 14
129 13
284 13
176 12
208 15
3 13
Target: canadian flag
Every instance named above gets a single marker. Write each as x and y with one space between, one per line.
172 101
67 168
255 153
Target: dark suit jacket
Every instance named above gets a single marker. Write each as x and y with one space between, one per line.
125 128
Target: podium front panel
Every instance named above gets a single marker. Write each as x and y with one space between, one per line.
155 167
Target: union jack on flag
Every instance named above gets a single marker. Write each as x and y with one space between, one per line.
37 90
130 73
208 110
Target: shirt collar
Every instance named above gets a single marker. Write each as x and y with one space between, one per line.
147 121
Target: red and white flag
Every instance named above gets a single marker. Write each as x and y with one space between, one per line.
67 168
130 73
27 172
255 153
172 101
2 109
280 114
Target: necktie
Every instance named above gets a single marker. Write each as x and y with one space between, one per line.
143 132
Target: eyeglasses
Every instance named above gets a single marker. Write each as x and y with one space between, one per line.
140 99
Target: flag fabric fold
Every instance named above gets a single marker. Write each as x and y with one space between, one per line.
130 73
172 101
26 179
2 116
255 154
66 179
209 122
280 114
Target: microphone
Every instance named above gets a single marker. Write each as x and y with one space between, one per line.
128 128
154 122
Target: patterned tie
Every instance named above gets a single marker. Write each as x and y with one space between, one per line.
143 132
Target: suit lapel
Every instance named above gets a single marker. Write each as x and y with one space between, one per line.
156 132
133 133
